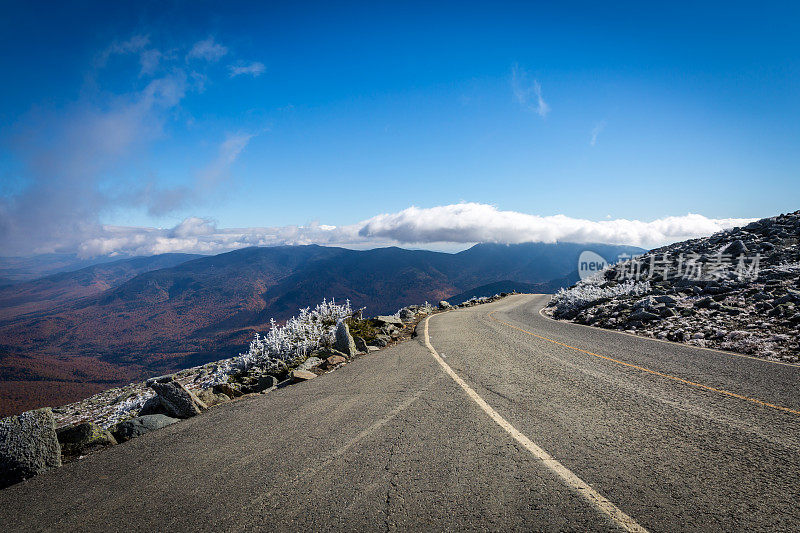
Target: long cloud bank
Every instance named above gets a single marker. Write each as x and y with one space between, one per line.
463 224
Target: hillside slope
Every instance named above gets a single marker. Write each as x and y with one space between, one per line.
737 290
46 293
208 308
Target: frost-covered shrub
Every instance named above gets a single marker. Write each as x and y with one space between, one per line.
125 409
566 302
283 346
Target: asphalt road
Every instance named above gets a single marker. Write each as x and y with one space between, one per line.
532 423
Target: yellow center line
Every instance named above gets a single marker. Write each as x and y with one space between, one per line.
649 371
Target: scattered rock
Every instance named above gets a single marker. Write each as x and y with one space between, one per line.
738 280
302 375
334 360
228 389
136 427
152 406
642 316
664 299
83 438
28 446
444 305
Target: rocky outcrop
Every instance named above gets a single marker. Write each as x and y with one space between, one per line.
176 399
83 438
737 290
136 427
28 446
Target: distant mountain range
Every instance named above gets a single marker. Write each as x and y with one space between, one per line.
70 334
16 269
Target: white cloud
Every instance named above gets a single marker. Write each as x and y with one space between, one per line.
160 200
473 222
208 50
528 93
197 235
436 227
596 131
254 69
72 159
67 156
149 60
228 153
149 57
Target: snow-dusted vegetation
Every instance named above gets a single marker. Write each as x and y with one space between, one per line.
125 408
286 345
566 302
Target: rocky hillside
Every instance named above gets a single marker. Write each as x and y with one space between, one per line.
737 290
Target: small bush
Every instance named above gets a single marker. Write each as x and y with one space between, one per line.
287 345
362 328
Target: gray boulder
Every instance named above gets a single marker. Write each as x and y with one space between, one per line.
407 314
344 341
361 344
665 299
177 400
444 305
382 340
384 320
28 446
642 316
152 407
705 303
83 438
136 427
326 352
735 248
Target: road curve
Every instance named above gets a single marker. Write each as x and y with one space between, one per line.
673 437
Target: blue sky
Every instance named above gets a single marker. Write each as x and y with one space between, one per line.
209 117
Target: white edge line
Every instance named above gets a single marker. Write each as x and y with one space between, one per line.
576 484
665 341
